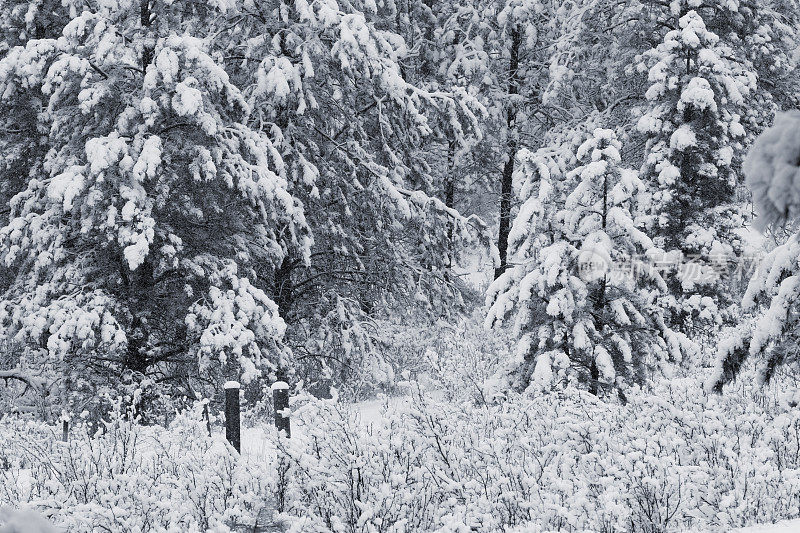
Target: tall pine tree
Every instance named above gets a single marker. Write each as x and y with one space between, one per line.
693 125
137 245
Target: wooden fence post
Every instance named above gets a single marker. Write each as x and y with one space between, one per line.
232 420
280 401
64 428
207 416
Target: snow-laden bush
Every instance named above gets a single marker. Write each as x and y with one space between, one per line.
459 355
672 459
131 477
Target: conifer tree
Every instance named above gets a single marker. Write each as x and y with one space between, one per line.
579 314
330 87
693 125
137 242
772 168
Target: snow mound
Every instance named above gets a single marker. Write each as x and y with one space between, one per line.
23 521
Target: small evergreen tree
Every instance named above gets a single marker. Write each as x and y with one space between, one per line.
576 313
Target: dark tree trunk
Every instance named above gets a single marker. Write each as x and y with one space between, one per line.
283 293
594 377
139 286
450 198
600 302
506 189
145 20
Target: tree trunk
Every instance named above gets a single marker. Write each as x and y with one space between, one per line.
283 294
512 142
145 19
594 378
450 199
600 303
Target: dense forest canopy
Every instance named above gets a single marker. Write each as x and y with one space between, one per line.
260 191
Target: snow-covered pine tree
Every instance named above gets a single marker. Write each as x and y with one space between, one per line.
764 35
577 314
21 144
328 86
141 248
696 100
436 34
772 169
510 54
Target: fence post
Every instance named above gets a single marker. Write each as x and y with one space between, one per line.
207 416
232 423
64 427
280 401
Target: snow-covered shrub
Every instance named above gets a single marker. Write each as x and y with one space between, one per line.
671 460
458 355
131 477
463 358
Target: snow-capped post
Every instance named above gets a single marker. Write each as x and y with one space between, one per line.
65 427
207 416
280 401
232 423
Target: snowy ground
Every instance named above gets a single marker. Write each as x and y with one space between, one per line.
789 526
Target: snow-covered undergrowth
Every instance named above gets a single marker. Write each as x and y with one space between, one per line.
132 477
671 460
458 356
